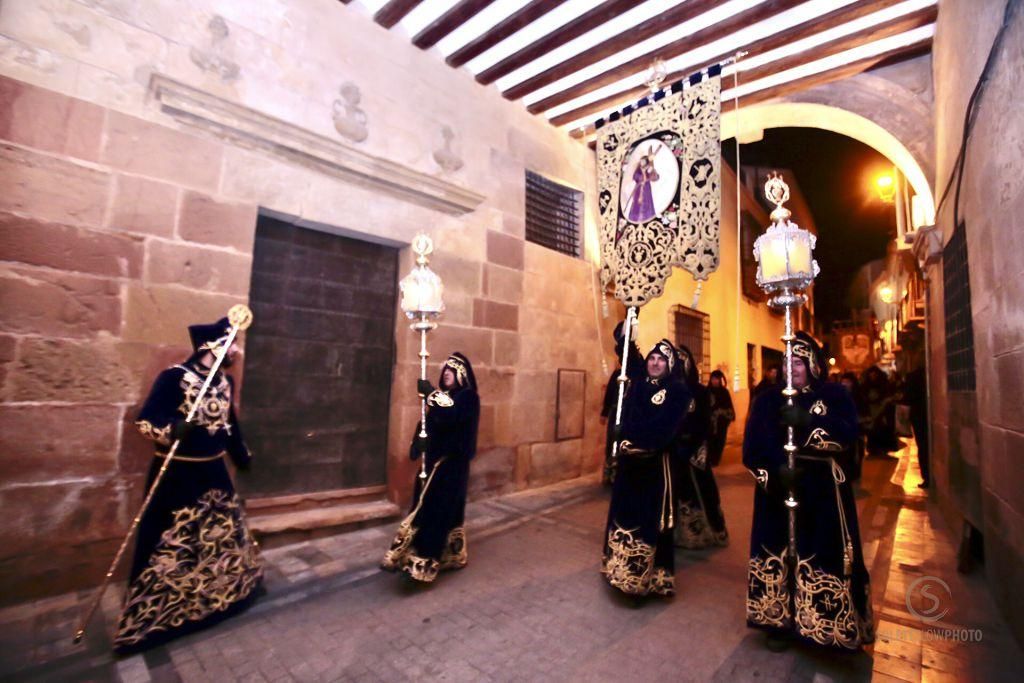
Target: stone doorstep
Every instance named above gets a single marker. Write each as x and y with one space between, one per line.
272 505
283 528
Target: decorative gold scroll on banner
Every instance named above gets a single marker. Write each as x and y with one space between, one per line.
659 176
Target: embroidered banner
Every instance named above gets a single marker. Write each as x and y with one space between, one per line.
659 176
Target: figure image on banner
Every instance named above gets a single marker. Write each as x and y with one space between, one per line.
650 179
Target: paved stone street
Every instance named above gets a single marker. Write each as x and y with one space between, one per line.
532 606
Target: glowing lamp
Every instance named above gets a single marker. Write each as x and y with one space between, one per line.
784 253
885 184
422 290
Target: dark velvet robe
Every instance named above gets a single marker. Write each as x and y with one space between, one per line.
432 537
700 522
722 415
195 561
827 600
638 551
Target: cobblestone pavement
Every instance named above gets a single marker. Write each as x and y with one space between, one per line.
532 606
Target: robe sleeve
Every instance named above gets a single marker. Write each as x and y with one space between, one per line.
239 452
761 445
653 430
160 411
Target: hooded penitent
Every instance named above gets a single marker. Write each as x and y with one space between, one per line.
638 553
700 521
823 594
195 560
432 536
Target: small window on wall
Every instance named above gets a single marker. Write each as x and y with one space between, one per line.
692 328
959 328
553 214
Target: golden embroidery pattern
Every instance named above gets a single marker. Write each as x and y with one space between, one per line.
692 530
441 399
204 563
403 556
768 593
658 397
819 408
215 410
760 476
825 609
819 441
629 565
151 431
455 555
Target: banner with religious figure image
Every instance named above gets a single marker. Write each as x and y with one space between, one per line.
659 168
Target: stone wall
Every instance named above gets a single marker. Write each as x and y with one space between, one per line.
979 436
122 223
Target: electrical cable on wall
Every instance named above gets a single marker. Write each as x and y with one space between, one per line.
957 174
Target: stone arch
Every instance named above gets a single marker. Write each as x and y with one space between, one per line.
827 117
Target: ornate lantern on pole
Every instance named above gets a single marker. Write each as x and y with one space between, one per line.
785 268
422 302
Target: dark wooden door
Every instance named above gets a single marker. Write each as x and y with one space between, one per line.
318 360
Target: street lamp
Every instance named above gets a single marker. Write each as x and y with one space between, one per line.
785 268
885 184
422 301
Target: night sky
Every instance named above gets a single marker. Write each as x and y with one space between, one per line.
835 174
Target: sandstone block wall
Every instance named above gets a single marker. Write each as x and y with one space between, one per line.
979 437
121 225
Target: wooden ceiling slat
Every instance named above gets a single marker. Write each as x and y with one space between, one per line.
845 71
512 23
921 17
685 44
393 12
617 43
839 73
574 29
448 22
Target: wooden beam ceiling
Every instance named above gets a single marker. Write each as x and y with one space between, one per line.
393 12
448 22
839 73
705 36
648 29
502 30
574 29
907 22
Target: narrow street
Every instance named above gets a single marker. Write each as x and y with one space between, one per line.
532 606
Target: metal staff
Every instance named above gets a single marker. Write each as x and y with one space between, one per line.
787 300
627 341
240 318
423 326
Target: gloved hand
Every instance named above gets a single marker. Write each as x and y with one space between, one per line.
182 430
424 388
794 416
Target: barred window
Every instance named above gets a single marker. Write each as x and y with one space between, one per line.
692 328
959 329
553 214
